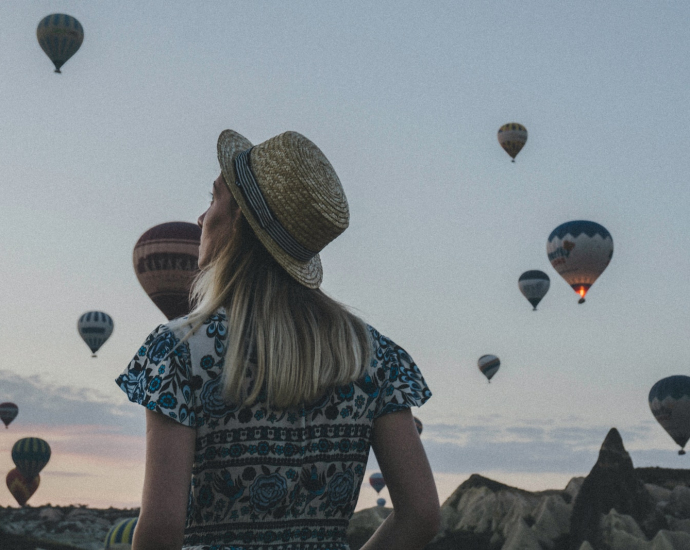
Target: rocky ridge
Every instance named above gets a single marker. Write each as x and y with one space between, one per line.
616 507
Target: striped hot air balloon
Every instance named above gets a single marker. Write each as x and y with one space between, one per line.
512 137
669 400
377 482
8 412
30 455
60 36
489 365
20 487
166 261
121 534
95 327
580 251
534 285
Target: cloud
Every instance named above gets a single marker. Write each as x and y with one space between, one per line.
527 448
42 403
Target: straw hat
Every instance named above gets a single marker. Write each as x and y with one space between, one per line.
290 195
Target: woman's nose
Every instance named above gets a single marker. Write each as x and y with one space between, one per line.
200 221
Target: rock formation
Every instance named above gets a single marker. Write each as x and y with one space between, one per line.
612 485
76 526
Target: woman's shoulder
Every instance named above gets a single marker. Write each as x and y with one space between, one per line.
384 346
398 380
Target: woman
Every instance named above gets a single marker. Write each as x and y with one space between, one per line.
270 394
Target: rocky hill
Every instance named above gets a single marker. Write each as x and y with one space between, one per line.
616 507
58 527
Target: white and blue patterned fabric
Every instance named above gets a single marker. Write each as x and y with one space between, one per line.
265 479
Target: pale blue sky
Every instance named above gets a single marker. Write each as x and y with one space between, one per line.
405 99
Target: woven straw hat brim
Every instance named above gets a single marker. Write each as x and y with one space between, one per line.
310 273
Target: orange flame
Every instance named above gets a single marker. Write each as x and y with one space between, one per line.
582 291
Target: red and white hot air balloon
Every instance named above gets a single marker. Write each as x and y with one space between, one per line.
166 262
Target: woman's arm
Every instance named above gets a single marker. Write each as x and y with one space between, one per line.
416 513
169 459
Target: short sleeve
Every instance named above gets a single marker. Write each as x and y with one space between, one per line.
401 384
159 377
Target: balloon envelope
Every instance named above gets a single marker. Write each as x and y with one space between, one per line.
121 534
380 502
8 412
166 262
95 327
377 482
60 36
534 285
512 137
489 365
580 251
20 487
30 455
669 400
418 424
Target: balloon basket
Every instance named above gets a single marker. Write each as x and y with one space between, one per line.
581 301
94 355
681 452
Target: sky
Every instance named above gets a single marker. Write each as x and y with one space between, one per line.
405 99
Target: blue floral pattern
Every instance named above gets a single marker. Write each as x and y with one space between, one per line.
265 479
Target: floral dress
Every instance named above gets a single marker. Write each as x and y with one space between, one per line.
266 479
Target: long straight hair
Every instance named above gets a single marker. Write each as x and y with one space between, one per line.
296 342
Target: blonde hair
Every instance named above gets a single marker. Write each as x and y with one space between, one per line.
297 342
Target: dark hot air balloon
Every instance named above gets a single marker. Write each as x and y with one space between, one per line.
20 487
380 502
166 261
95 327
534 285
489 365
30 455
60 36
8 412
418 424
669 400
377 482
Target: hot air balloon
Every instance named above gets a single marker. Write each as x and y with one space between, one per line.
512 137
381 502
489 365
534 285
20 487
580 251
377 482
60 36
30 455
121 534
418 424
8 412
669 400
166 261
95 327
